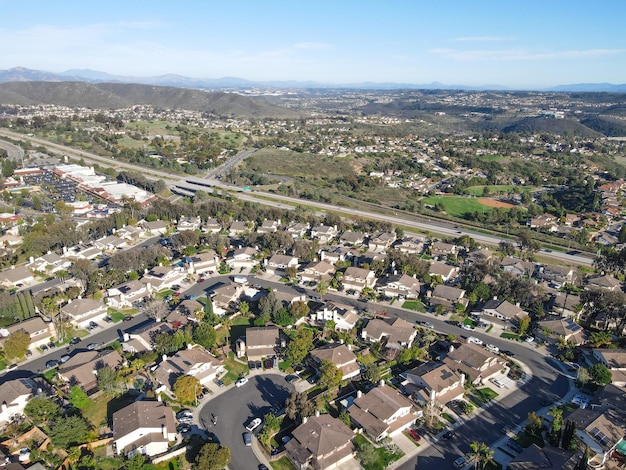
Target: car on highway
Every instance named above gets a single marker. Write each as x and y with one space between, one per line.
241 382
52 363
255 423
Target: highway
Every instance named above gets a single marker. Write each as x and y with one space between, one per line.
271 199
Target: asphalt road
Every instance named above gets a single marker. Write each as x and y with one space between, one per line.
106 333
237 407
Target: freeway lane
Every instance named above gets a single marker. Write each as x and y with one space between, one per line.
419 223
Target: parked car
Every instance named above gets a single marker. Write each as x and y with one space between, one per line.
291 378
473 339
52 363
11 368
247 439
219 383
44 348
92 346
255 423
93 324
65 358
51 345
183 428
128 318
492 347
241 381
415 435
75 340
467 327
460 462
447 435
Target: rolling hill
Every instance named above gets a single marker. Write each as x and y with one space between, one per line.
121 95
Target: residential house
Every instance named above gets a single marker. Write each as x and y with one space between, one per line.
157 227
615 361
16 276
557 274
194 361
349 238
15 395
49 263
432 382
83 366
260 342
211 226
517 266
605 282
554 330
382 412
545 458
568 305
202 263
242 258
226 297
297 229
110 243
400 285
321 442
380 242
238 228
278 264
479 255
446 271
368 259
290 297
82 251
442 249
163 277
324 233
602 431
317 271
40 331
145 427
544 221
503 310
128 232
188 223
143 340
477 363
83 311
411 244
125 295
448 296
344 316
358 279
268 226
340 355
333 255
398 333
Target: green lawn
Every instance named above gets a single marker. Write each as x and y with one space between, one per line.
384 457
416 305
493 189
510 336
282 463
485 394
457 206
448 418
118 315
103 407
235 369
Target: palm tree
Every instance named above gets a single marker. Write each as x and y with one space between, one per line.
481 454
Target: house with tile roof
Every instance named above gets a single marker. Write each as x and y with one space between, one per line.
344 316
433 381
39 330
358 279
615 361
260 342
478 364
317 271
340 355
397 333
194 361
448 296
382 412
321 442
503 310
399 285
15 396
145 427
83 366
555 330
83 311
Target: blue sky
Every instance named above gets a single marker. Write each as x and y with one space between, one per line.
521 44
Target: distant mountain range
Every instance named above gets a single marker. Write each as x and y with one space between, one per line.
21 74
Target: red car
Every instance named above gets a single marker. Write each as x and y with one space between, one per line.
413 433
201 279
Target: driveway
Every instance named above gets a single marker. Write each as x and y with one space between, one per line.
235 407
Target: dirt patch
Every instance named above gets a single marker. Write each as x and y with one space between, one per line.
493 203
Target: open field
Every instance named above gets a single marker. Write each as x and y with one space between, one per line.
457 206
494 203
493 189
280 162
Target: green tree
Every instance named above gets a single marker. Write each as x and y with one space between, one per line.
601 338
300 345
204 334
344 417
187 388
16 344
212 457
372 373
68 430
367 454
524 323
108 380
330 375
78 398
535 425
556 425
600 374
41 410
136 462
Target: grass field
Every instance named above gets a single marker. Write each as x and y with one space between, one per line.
384 457
234 368
280 162
493 189
414 305
457 206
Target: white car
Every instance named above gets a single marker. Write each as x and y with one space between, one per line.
529 339
467 327
492 348
473 339
241 382
255 423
